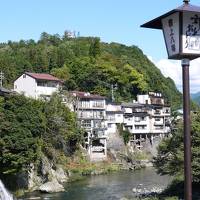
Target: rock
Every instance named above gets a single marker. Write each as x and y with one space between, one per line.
45 166
115 142
134 190
59 174
34 181
146 163
51 187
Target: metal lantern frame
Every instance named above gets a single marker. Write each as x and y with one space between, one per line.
186 8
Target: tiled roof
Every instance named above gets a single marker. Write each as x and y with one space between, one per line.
42 76
86 95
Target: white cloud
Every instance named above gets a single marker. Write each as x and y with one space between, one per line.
173 69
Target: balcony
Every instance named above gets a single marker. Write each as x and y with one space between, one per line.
93 106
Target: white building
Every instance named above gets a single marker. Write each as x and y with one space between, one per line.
37 85
91 114
147 118
114 116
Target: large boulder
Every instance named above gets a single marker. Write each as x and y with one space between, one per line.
52 186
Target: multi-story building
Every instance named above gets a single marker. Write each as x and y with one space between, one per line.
147 118
91 114
114 116
37 85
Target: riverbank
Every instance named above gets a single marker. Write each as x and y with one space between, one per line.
51 178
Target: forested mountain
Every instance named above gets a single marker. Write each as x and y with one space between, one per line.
196 97
87 64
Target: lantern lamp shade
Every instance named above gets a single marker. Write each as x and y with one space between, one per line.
181 29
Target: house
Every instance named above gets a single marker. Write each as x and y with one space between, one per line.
114 117
37 85
147 118
91 114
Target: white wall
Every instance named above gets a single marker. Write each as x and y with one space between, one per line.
26 85
143 98
119 118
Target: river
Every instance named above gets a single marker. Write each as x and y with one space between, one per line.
113 186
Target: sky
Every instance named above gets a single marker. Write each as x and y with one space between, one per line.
111 20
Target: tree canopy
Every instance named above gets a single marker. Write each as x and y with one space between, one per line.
86 64
170 158
29 128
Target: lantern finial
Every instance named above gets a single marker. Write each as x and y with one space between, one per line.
186 1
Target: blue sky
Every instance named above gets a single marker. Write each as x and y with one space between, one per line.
111 20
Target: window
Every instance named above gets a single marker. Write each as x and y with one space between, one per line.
51 84
44 83
137 119
41 83
140 127
157 111
98 104
84 104
167 111
158 127
86 123
24 75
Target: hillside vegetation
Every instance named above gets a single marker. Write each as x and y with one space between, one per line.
196 97
30 128
87 64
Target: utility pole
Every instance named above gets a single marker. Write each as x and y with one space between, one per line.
1 79
113 87
112 93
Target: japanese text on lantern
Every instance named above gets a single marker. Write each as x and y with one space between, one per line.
193 33
171 33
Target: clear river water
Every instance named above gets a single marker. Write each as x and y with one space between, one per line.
114 186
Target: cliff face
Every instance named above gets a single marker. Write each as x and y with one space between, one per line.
46 177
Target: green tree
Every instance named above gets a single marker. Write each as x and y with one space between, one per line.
62 73
95 49
21 125
62 131
170 152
